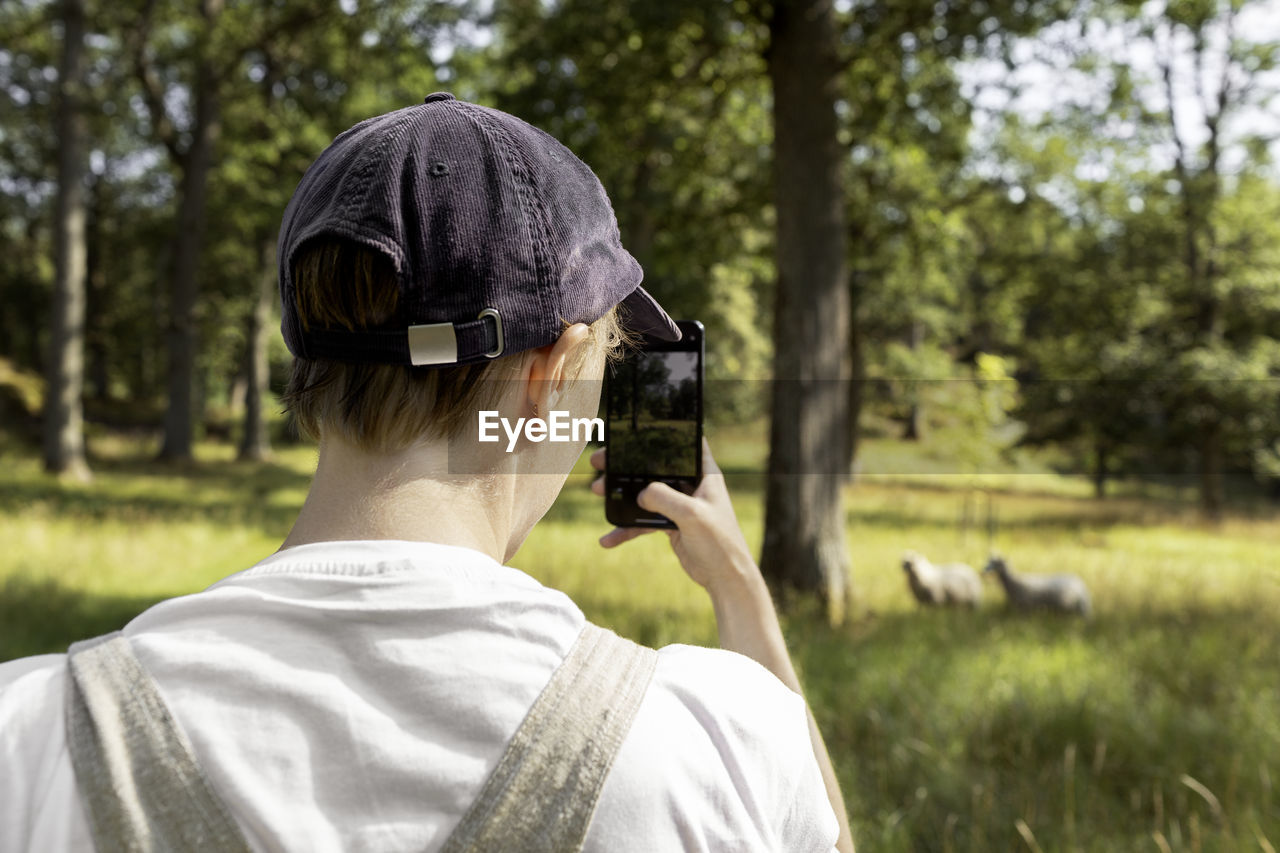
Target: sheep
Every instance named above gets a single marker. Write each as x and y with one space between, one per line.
954 583
1063 593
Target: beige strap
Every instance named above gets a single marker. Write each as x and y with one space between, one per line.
138 777
541 796
144 791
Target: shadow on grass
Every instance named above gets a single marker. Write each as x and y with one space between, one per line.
228 471
1058 513
43 617
242 491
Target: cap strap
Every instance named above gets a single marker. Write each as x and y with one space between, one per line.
420 345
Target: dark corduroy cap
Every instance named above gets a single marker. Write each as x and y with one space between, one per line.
497 232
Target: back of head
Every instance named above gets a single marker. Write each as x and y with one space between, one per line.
424 251
389 407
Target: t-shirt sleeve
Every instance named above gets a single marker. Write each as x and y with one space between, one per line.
39 805
760 728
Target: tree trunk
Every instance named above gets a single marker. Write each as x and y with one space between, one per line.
1101 474
255 444
804 542
63 406
857 382
238 384
914 430
182 340
95 335
1200 190
1211 479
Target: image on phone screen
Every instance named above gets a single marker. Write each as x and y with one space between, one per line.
653 424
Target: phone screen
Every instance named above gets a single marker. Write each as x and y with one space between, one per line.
654 424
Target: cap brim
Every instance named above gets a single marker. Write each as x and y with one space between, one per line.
642 313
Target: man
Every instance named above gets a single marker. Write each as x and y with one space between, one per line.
384 681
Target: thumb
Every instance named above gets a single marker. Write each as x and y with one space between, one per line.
659 497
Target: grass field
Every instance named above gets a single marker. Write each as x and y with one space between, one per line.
1155 726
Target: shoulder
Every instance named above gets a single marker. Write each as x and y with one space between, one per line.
39 804
726 690
759 726
31 693
730 746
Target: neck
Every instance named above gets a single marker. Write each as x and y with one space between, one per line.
407 495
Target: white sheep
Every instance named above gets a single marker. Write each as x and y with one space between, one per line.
954 583
1063 593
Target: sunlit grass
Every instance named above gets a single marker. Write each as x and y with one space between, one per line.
947 728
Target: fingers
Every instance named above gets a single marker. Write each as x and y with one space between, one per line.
661 498
597 462
618 535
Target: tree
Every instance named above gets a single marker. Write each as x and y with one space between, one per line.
923 305
1143 152
267 84
64 451
668 104
28 156
254 441
804 542
1205 37
191 149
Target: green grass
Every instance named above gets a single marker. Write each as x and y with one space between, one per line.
1154 726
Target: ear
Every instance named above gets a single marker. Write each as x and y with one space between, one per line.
548 368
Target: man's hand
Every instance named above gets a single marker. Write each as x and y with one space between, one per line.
713 551
709 542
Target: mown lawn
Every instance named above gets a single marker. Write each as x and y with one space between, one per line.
1154 726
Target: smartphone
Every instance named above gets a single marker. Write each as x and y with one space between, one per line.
653 424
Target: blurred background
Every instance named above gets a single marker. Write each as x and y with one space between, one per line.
1019 263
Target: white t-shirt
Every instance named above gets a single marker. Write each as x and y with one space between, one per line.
354 696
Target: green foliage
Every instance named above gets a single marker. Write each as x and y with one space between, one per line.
1134 298
946 728
668 103
1137 350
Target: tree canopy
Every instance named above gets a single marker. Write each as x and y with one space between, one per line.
1076 198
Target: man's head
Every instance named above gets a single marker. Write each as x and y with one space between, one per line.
386 408
424 250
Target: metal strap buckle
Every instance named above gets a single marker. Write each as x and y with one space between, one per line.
436 343
497 321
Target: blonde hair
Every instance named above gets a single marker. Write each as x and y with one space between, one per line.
390 407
